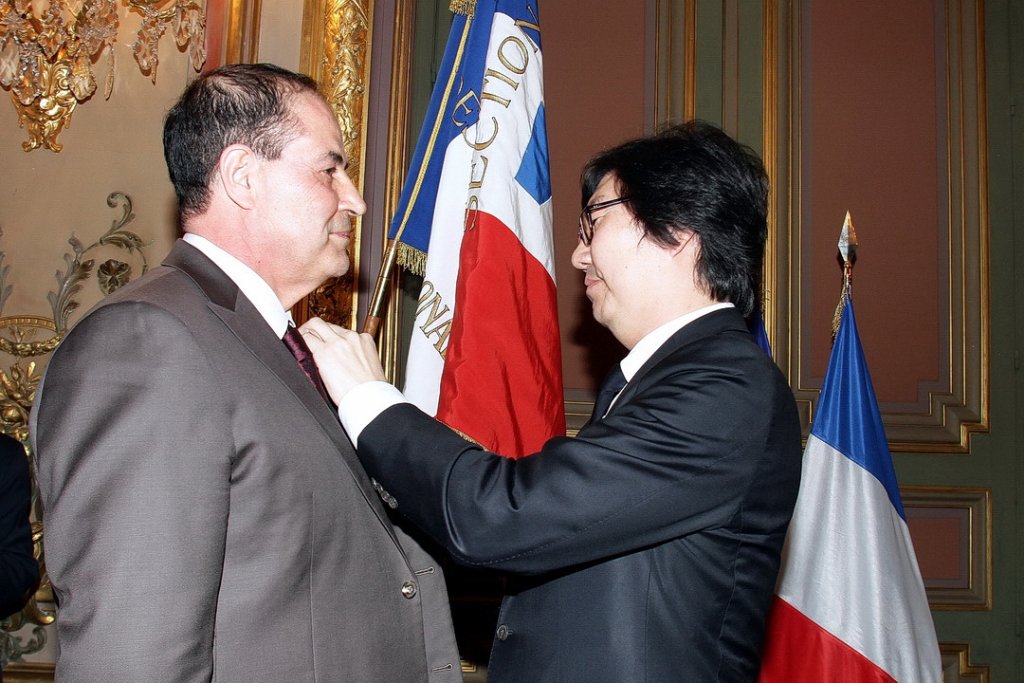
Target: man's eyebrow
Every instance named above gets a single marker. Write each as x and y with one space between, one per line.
337 159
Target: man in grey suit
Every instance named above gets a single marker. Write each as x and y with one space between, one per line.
647 547
205 516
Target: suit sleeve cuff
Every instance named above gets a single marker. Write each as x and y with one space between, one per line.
361 406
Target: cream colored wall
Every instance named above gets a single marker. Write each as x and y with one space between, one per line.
280 33
111 145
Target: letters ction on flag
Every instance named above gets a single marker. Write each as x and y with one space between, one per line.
475 219
850 604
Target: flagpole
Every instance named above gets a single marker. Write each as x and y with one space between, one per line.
371 325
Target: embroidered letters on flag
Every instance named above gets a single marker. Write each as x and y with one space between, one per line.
475 220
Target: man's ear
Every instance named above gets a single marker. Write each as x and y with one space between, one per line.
235 172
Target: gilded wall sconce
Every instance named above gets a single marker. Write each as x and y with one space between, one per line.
46 58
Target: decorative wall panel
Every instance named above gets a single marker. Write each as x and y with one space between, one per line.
952 532
957 667
917 190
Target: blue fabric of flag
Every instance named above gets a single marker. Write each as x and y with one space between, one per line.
462 65
534 173
755 323
449 114
848 418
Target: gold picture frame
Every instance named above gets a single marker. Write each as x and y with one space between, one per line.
337 39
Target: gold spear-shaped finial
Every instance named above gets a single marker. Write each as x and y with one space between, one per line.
847 257
848 243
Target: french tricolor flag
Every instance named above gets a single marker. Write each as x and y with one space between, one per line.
850 604
475 220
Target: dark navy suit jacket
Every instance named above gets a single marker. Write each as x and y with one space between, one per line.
647 547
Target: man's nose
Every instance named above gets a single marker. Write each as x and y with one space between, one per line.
349 198
581 256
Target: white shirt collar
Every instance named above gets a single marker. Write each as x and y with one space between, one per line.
252 285
653 340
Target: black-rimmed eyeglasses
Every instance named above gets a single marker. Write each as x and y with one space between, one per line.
587 218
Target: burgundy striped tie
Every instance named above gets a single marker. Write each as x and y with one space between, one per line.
297 345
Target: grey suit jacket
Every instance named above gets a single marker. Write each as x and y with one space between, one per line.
205 516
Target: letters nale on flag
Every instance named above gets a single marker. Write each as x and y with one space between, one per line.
474 219
850 605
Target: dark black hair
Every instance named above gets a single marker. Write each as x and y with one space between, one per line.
233 104
694 176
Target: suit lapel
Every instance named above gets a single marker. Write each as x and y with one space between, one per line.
232 307
704 326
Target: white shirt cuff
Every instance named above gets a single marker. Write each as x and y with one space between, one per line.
362 404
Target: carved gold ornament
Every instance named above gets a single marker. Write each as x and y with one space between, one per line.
338 57
29 339
46 60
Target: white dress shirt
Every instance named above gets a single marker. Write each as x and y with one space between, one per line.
653 340
255 288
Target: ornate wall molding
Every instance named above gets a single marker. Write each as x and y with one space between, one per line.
952 405
951 399
46 55
675 93
27 341
243 31
954 524
336 52
29 672
396 166
957 666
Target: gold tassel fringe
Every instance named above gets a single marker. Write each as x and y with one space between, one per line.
411 259
844 298
466 7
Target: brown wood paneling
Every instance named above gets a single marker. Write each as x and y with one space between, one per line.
594 95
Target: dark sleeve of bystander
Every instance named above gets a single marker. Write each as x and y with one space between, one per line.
19 571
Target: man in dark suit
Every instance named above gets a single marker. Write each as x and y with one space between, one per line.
205 515
648 546
19 571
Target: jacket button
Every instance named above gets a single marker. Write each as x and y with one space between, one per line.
503 632
409 589
388 499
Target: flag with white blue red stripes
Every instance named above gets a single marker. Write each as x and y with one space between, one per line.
474 219
850 604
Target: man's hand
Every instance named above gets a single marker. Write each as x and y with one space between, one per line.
345 358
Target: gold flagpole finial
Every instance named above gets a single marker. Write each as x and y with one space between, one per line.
847 257
848 243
